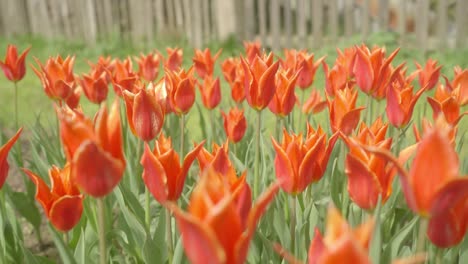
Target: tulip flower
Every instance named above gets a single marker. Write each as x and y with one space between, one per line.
259 81
14 67
372 70
95 85
63 202
181 90
314 104
163 174
235 124
73 100
211 92
174 59
307 68
460 83
429 75
427 126
217 225
4 150
57 77
252 50
341 243
145 111
298 162
284 98
291 59
204 62
148 66
341 75
94 151
445 102
433 187
123 77
369 176
229 68
344 116
400 103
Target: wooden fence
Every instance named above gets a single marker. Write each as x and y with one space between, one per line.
277 23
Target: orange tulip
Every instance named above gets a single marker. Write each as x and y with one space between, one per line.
400 103
95 85
145 111
314 104
307 68
460 82
235 124
204 62
148 66
372 70
252 50
445 102
234 75
427 126
57 77
94 152
299 163
369 176
174 59
163 174
291 59
342 243
210 91
123 77
344 116
429 75
63 203
259 81
341 74
218 225
4 150
284 98
14 67
433 187
181 90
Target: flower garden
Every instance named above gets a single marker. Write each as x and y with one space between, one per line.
252 157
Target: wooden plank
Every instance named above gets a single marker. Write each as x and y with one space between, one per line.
317 23
383 15
422 25
248 19
179 15
348 18
442 23
205 14
275 25
288 23
226 12
15 17
214 21
197 23
171 20
108 21
301 23
89 22
365 20
333 19
402 22
188 23
159 13
262 19
39 18
461 21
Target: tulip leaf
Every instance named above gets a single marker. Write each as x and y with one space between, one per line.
80 249
160 235
65 254
396 242
27 208
178 252
335 187
202 124
29 258
151 254
376 241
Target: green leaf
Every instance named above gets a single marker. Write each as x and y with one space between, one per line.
396 242
178 252
335 187
27 208
80 250
376 242
29 258
64 251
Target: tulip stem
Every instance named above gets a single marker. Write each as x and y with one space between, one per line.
66 238
279 121
182 134
212 127
423 223
293 223
369 108
257 153
169 236
147 210
101 230
3 215
301 115
16 106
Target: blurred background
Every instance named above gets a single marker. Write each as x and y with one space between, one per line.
425 24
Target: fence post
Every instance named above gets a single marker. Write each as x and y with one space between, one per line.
442 23
402 22
317 19
461 21
301 24
197 23
227 19
348 18
365 22
288 23
422 25
248 19
383 15
262 20
333 19
275 25
14 17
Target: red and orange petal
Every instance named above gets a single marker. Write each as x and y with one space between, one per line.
4 150
13 67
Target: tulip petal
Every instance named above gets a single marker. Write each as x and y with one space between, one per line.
66 212
345 250
188 160
284 169
43 193
148 117
363 71
363 185
350 120
184 96
200 242
95 171
154 175
4 150
317 248
266 86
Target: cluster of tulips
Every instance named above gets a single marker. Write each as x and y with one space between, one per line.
224 205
